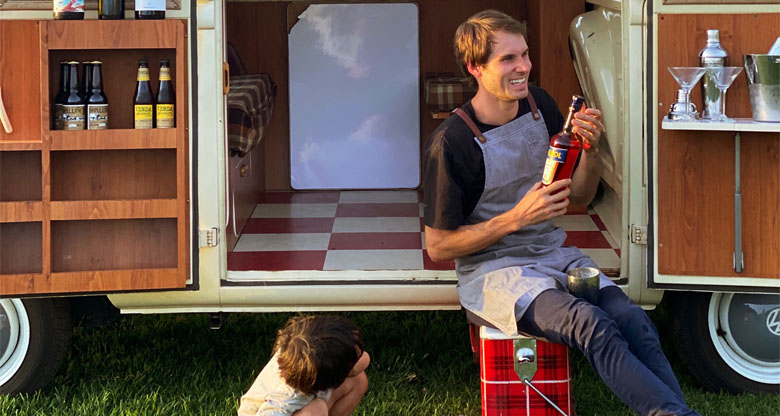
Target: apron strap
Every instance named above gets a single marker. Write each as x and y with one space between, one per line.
469 122
532 103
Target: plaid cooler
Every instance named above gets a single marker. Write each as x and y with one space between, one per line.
504 394
446 92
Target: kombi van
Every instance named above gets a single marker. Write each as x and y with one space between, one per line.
291 178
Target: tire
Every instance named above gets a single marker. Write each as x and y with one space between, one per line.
730 342
34 335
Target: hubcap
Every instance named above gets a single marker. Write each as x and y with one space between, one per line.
14 337
745 329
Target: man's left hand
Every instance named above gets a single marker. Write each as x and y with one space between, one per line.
587 125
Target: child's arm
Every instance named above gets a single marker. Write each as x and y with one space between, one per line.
361 365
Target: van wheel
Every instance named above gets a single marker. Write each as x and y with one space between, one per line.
730 341
34 336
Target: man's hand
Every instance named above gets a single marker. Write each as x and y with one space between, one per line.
588 126
540 204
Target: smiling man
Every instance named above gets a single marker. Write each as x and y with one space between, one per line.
485 207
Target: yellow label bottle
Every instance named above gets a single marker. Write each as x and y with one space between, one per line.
143 100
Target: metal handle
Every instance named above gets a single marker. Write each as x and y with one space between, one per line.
547 399
226 78
4 116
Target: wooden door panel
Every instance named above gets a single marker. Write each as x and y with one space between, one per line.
20 78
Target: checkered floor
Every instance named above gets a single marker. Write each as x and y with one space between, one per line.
369 230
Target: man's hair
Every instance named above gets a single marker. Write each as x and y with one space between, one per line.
317 353
474 37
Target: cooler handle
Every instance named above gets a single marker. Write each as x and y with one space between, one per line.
4 116
547 399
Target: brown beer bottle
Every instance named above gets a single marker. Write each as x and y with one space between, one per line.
143 100
59 99
166 99
97 102
564 148
73 106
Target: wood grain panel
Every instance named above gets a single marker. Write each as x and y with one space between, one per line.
103 210
88 5
113 245
114 139
20 78
20 176
91 281
16 145
113 175
114 34
20 249
21 211
696 169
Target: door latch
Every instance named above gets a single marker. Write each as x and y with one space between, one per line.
208 238
639 234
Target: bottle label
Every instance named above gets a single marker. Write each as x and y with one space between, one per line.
555 157
165 74
149 5
97 116
143 116
143 74
61 6
164 116
59 122
73 117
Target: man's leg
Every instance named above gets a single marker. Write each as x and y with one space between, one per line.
346 397
562 318
317 407
641 334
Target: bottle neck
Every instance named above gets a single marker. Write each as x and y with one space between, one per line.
64 78
165 74
97 78
143 74
568 126
73 81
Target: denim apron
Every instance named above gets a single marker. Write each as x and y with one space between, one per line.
498 283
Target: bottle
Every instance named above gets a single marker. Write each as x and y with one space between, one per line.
143 100
712 55
73 105
86 79
68 9
111 9
564 148
97 102
59 99
150 9
166 99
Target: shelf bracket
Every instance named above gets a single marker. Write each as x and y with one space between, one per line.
738 257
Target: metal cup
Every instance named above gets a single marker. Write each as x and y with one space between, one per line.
583 283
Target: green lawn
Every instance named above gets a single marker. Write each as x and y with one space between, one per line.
176 365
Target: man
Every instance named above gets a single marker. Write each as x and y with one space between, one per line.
485 208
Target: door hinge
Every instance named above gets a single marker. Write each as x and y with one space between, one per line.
638 234
208 238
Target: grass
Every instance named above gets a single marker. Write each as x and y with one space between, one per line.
176 365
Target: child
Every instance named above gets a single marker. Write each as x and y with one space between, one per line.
318 368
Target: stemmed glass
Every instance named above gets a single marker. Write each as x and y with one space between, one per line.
723 77
687 77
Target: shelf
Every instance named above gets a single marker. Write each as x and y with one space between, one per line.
113 139
21 245
21 211
112 210
739 124
115 34
96 281
19 145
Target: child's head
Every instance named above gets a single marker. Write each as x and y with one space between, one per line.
316 353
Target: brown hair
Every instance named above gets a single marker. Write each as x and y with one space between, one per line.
473 38
317 353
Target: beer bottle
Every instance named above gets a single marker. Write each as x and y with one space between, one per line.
59 99
111 9
73 106
150 9
86 79
97 103
68 9
564 148
166 99
143 100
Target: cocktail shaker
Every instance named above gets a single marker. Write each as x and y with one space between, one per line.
713 54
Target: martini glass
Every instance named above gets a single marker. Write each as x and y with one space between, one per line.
687 77
723 77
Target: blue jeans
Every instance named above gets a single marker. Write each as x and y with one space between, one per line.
620 342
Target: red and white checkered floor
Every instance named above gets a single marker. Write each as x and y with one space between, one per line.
369 230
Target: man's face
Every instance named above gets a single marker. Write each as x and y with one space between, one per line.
505 75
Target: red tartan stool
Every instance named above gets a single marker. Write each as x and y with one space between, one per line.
521 375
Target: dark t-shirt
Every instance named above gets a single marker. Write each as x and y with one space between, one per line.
454 169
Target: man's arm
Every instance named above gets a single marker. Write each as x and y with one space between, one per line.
537 205
585 180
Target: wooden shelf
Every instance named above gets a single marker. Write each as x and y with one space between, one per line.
96 281
115 34
114 139
739 124
19 145
440 115
21 211
112 210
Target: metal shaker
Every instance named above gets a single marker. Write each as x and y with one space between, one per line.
712 55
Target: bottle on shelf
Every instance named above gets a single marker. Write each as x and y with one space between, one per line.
564 148
712 55
86 79
59 98
143 99
68 9
150 9
73 106
97 102
166 99
111 9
